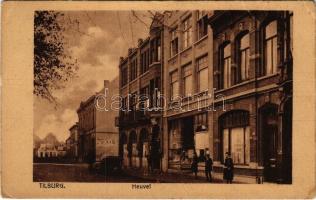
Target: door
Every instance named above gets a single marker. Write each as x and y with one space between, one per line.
269 133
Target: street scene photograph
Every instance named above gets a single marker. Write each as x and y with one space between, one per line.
163 96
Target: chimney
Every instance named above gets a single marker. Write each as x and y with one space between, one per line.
140 41
130 50
121 59
106 83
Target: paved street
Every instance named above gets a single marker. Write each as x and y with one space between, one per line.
54 172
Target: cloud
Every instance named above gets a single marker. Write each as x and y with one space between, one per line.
96 45
58 125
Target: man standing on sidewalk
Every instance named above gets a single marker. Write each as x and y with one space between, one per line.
208 168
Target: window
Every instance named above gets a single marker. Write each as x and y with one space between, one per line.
187 80
174 43
155 47
124 76
145 61
202 73
270 48
236 136
226 65
133 73
158 49
201 24
244 57
174 85
187 33
201 122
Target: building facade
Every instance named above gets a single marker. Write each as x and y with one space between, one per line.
252 69
187 68
98 136
140 85
72 143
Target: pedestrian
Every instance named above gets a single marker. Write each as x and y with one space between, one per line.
194 165
208 168
228 168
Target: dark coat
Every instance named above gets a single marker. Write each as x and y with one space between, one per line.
194 164
208 164
228 169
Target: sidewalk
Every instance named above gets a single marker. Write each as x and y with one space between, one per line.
170 177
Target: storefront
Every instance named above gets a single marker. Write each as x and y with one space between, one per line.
187 135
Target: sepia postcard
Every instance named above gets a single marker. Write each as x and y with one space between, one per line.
189 99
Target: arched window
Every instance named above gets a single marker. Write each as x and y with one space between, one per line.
235 138
243 55
225 65
270 48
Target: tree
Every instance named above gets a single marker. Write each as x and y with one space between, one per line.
53 66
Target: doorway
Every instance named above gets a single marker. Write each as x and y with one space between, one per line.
187 133
269 133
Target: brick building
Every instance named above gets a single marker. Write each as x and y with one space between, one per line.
253 70
188 66
98 136
226 80
140 85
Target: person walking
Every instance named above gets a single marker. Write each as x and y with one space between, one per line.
228 168
194 165
208 168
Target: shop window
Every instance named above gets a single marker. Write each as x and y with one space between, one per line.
202 73
187 80
187 33
201 122
270 48
174 43
174 141
174 89
201 24
235 131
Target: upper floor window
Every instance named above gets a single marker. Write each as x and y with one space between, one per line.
144 57
225 66
174 83
201 24
202 73
155 47
187 33
270 48
173 43
133 73
244 57
187 80
124 76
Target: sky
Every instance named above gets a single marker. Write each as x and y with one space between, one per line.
97 42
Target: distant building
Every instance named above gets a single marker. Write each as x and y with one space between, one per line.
61 150
74 138
47 151
98 136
